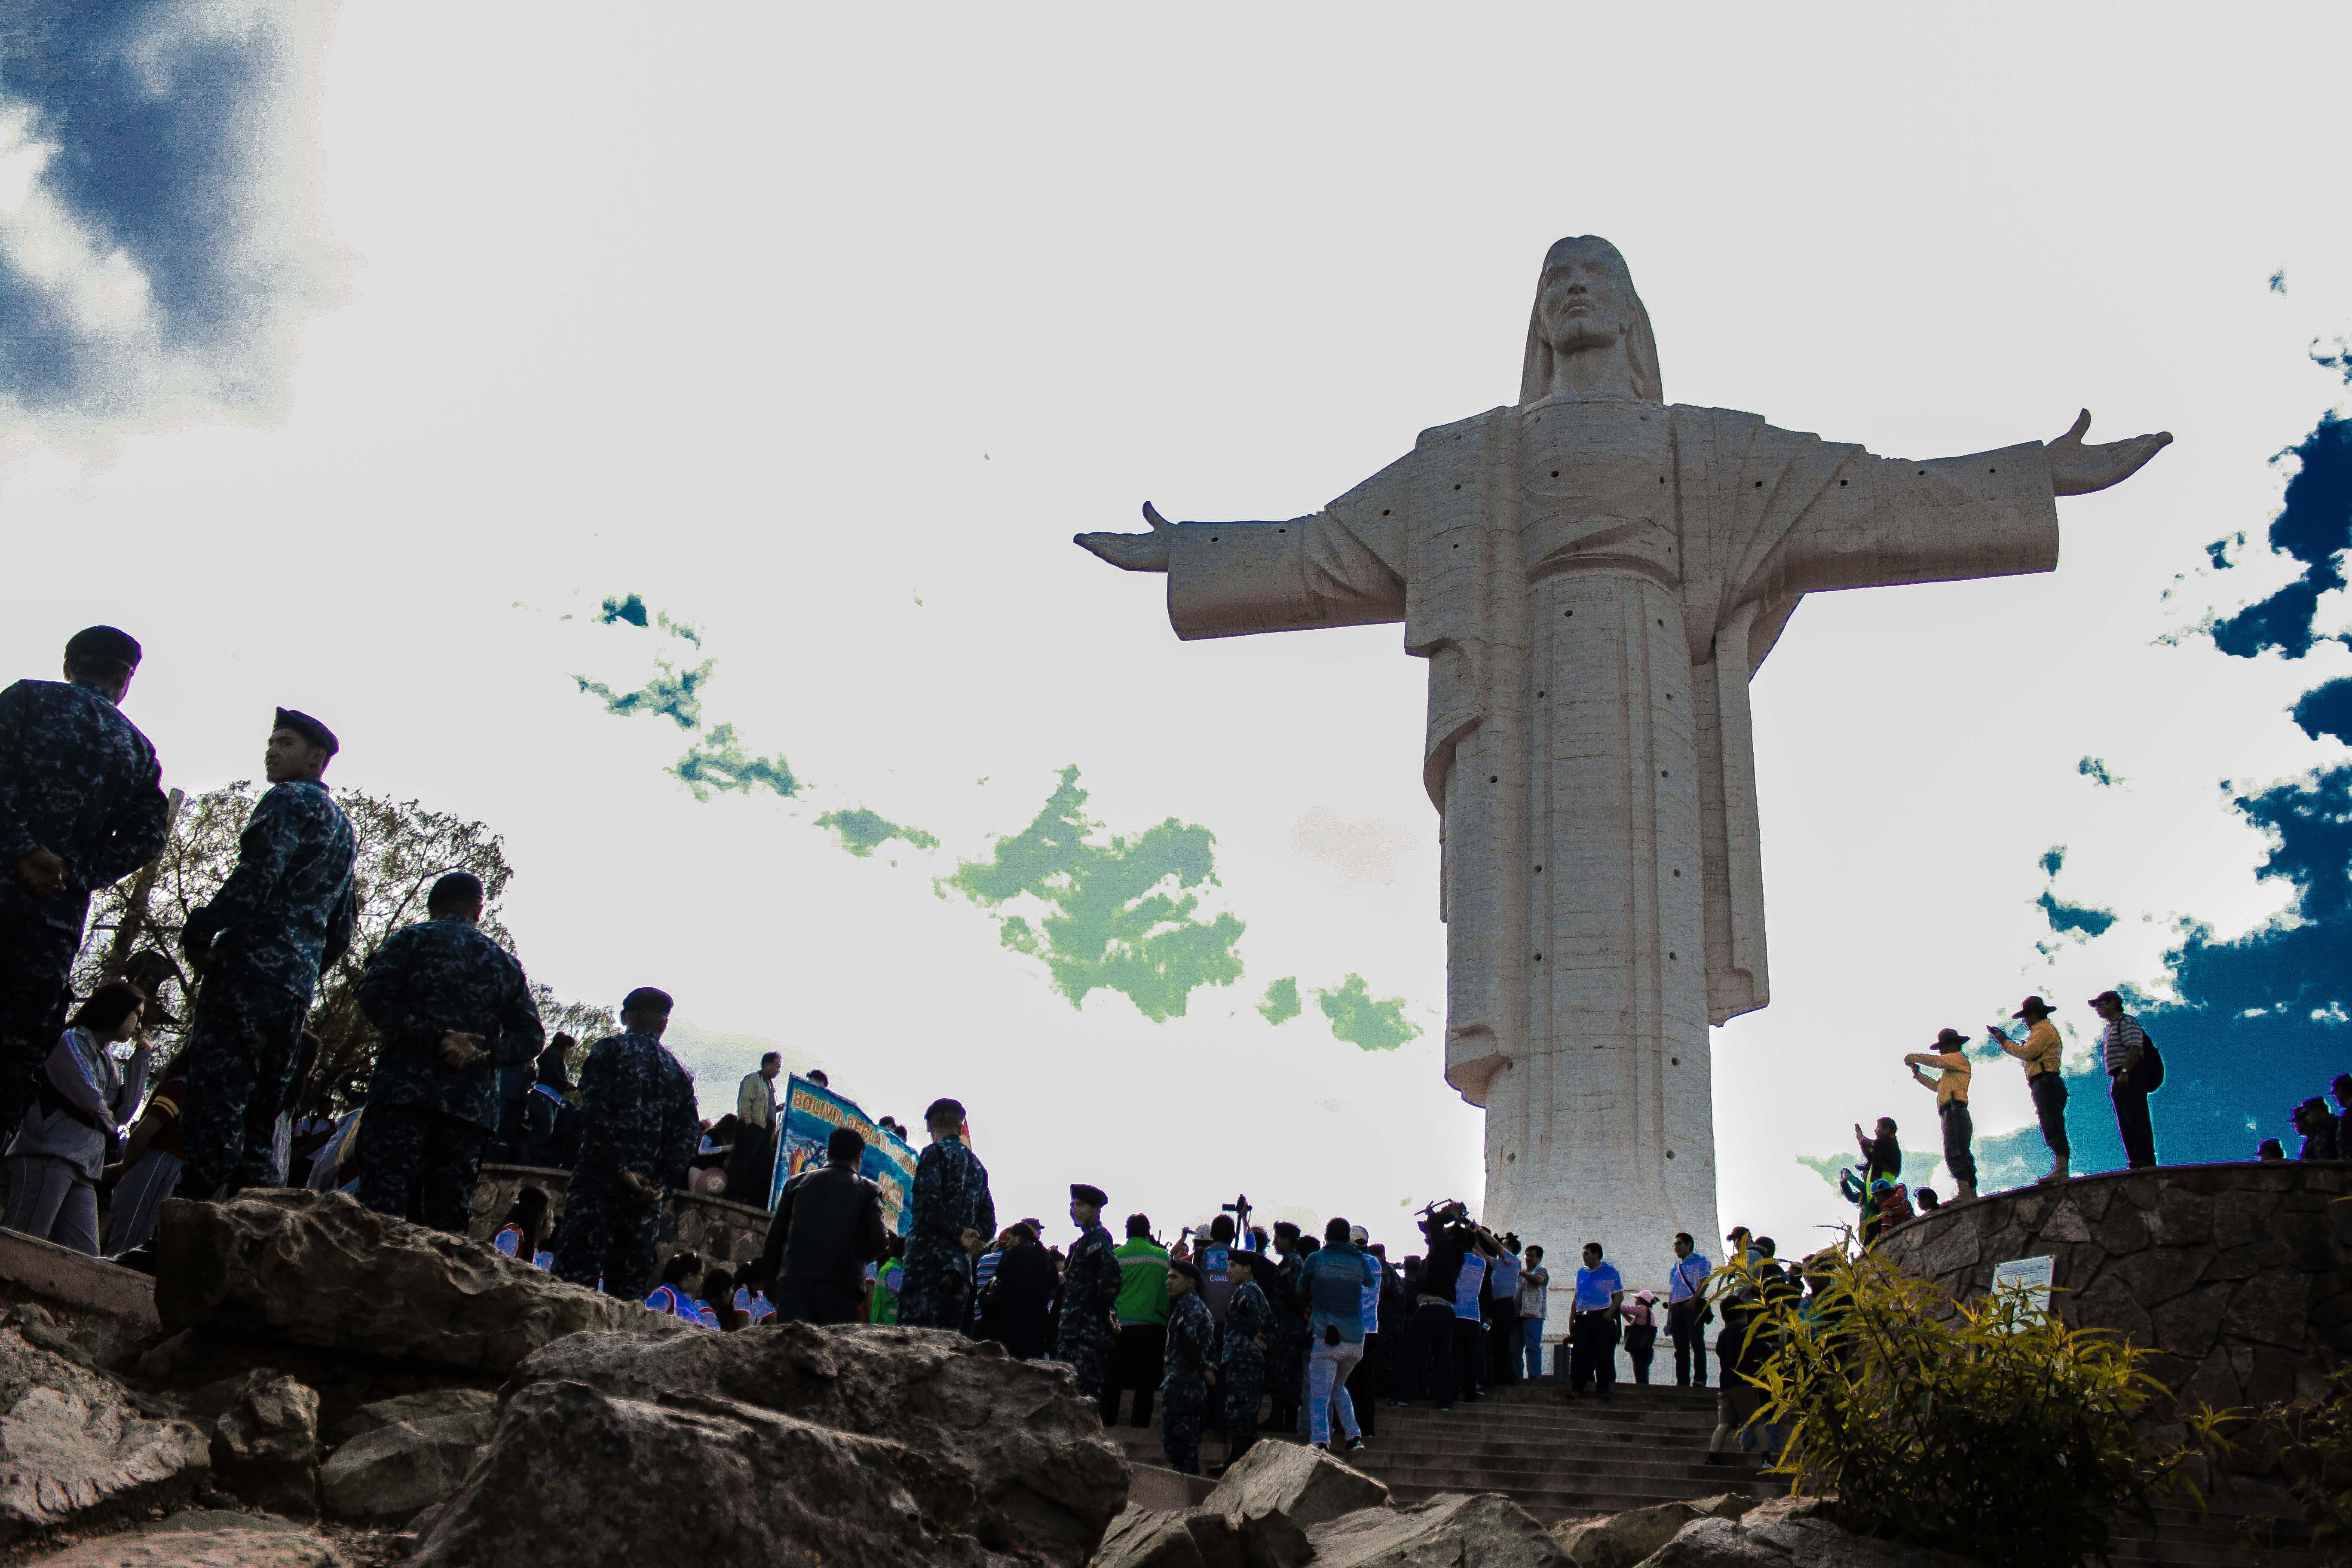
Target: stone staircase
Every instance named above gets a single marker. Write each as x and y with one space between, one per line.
1566 1460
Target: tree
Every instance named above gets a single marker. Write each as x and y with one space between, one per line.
404 849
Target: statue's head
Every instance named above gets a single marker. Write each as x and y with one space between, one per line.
1585 305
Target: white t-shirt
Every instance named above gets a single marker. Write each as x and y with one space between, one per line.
1534 1292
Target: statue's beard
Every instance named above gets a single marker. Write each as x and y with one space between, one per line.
1573 334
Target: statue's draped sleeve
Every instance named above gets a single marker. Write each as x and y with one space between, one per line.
1342 567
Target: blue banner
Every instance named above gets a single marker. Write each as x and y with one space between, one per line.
809 1116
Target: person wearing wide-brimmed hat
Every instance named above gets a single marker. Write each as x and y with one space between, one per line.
1951 1086
2039 1053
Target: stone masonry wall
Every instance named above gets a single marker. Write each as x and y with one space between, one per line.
722 1232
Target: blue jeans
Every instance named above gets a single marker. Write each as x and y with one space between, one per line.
1328 1367
1531 1345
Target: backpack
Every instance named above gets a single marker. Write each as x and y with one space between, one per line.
1895 1208
2151 1061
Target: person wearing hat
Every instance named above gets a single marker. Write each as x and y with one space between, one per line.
285 913
1188 1367
81 807
1090 1284
2039 1053
637 1137
1950 1083
1250 1332
451 1011
949 1215
2124 1052
2319 1128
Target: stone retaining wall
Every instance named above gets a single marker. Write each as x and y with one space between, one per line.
722 1232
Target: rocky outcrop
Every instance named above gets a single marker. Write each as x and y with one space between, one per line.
1790 1533
1277 1491
200 1539
266 1443
1624 1540
1170 1538
429 1406
318 1269
1044 1481
1487 1531
73 1448
391 1470
608 1478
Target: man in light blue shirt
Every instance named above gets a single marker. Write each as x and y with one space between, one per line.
1503 1315
1593 1325
1469 1321
1687 1311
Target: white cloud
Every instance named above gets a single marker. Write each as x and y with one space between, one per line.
1359 850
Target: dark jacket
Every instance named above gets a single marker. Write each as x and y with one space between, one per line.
76 779
1017 1307
433 977
637 1110
828 1227
289 907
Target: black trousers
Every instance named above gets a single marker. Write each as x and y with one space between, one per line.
1503 1340
1640 1344
1959 1140
2049 1109
1592 1352
2131 1119
1427 1369
1470 1354
1690 1344
1136 1357
814 1301
36 965
1368 1382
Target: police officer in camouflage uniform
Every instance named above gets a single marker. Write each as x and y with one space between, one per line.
1091 1282
285 913
1187 1367
81 805
1286 1364
950 1214
640 1137
453 1010
1249 1330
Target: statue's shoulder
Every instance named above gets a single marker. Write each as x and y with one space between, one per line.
1436 434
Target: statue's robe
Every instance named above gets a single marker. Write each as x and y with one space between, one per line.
1594 584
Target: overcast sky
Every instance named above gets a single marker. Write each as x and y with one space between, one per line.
416 332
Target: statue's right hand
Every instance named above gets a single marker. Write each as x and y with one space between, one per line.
1135 552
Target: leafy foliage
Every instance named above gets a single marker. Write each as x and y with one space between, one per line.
1985 1427
2314 1448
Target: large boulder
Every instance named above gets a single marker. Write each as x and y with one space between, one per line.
73 1449
1276 1492
391 1472
318 1269
430 1404
201 1539
1046 1479
265 1444
593 1480
1170 1538
1790 1533
1484 1530
1624 1540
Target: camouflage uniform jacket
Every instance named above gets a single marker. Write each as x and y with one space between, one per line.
1248 1315
432 977
288 910
1091 1282
950 1196
1191 1332
76 779
638 1104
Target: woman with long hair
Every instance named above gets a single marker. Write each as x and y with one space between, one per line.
150 1167
82 1098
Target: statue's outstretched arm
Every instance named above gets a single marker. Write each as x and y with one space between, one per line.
1137 551
2077 470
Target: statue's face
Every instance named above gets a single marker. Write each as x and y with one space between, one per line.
1583 300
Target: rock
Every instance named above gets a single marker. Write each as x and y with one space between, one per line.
73 1449
421 1407
1486 1531
1279 1490
1790 1533
1623 1540
591 1479
1047 1480
318 1269
265 1444
1170 1538
390 1473
199 1539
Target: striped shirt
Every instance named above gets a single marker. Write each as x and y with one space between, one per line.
2125 1041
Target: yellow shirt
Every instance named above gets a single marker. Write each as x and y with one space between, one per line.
2042 1050
1952 1087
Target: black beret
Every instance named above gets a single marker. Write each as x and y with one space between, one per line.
646 999
456 887
944 1107
1080 1192
310 729
1255 1260
102 642
1188 1268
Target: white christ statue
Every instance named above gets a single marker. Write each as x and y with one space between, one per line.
1594 576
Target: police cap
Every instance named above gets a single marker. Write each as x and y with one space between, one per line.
102 642
944 1109
646 999
1188 1268
310 729
1081 1193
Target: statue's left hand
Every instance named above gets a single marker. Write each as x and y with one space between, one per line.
1134 551
2077 470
